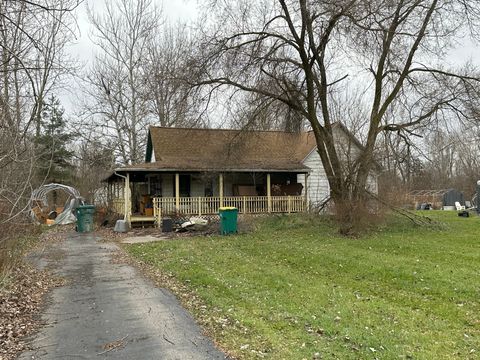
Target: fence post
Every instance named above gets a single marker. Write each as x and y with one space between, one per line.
155 211
289 205
199 206
244 204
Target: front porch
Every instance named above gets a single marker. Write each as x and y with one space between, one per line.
147 197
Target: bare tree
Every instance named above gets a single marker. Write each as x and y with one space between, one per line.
33 36
137 76
170 99
312 49
117 81
94 159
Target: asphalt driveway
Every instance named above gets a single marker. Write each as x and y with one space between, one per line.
108 310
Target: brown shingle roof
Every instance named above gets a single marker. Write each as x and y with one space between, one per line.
223 150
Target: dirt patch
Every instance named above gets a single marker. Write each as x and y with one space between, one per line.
245 225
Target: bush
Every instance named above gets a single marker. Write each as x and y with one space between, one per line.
355 218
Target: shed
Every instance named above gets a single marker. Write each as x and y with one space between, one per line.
438 198
451 196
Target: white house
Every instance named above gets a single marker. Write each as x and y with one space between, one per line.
196 171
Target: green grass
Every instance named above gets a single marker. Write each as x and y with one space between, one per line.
294 288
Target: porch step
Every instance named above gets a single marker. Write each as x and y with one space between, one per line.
140 220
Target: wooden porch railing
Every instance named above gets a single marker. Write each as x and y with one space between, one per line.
245 204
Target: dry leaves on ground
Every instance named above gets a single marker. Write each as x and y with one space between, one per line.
20 304
21 298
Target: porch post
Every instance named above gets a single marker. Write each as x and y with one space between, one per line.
220 188
128 206
177 191
269 193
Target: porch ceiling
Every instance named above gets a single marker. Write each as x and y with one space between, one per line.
151 168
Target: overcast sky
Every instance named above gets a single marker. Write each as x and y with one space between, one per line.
83 49
186 10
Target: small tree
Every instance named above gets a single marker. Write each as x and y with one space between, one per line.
54 160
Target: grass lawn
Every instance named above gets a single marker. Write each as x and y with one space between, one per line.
294 289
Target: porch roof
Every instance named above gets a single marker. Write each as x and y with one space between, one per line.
192 165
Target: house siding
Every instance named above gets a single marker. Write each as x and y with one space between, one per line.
318 188
317 184
167 185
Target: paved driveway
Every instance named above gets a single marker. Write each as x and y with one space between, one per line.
108 310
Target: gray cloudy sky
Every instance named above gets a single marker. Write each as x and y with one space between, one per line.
83 49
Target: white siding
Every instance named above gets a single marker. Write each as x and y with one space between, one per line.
317 184
167 185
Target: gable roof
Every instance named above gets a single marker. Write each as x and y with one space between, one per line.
203 150
186 149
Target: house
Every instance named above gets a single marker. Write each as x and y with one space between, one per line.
196 171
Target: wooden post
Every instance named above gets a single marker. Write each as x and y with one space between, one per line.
244 204
128 195
220 188
109 195
177 191
269 193
199 206
289 204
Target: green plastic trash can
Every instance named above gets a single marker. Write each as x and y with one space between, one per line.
228 220
85 218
